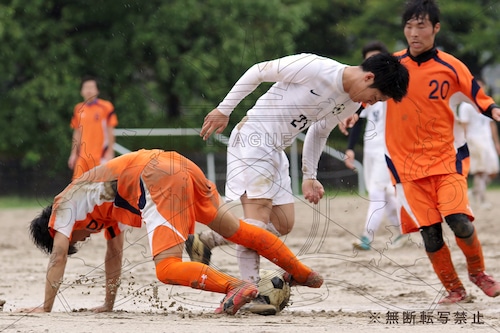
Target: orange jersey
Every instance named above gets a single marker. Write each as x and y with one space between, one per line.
164 189
93 119
420 130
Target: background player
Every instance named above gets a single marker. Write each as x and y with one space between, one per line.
381 192
484 146
93 123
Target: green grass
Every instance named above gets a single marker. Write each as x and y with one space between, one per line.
21 202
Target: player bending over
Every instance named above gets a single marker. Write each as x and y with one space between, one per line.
169 193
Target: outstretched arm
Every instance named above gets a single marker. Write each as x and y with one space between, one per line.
113 267
55 273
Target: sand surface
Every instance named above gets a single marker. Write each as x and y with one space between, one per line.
382 290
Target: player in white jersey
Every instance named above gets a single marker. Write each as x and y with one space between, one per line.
310 93
482 139
381 193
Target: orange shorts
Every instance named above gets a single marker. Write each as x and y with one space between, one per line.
175 200
424 202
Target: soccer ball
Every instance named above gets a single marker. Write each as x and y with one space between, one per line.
273 289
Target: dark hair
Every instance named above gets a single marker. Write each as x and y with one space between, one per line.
40 234
89 78
418 9
391 76
374 46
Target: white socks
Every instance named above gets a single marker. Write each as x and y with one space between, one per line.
375 213
249 260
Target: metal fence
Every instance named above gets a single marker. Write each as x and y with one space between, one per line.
210 159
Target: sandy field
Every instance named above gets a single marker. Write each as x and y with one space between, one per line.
382 290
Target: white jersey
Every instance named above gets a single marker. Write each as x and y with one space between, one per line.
478 125
483 154
374 136
307 93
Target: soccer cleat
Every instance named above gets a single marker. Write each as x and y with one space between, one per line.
197 250
364 245
486 283
314 280
260 306
236 298
454 296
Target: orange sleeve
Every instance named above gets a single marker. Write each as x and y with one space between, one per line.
468 85
111 117
75 119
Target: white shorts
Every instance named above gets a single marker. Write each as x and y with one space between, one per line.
483 156
376 173
258 169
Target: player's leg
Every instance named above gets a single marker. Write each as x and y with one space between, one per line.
419 211
468 242
440 257
199 246
374 217
256 211
397 239
459 217
267 245
170 269
479 187
172 204
268 186
376 197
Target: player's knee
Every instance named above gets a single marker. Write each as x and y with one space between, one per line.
433 237
283 225
460 225
284 229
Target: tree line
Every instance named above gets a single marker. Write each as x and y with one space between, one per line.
168 63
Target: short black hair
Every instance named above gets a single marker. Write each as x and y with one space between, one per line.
40 234
89 78
374 46
418 9
391 76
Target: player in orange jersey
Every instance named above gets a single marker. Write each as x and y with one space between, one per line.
427 155
93 123
169 193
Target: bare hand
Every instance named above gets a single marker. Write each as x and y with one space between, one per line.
349 159
215 121
343 128
313 190
495 113
348 123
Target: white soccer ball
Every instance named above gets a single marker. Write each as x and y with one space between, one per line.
274 289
